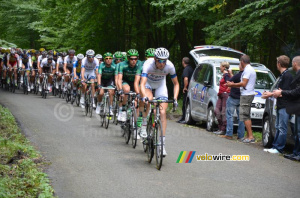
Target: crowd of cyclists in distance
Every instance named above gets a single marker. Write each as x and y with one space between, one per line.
118 86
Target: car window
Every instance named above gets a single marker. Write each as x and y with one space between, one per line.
218 75
209 75
264 80
202 72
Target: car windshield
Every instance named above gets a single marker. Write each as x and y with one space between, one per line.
264 79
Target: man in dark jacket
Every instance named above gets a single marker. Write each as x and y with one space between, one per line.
186 77
293 95
282 117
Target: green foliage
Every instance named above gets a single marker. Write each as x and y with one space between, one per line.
20 175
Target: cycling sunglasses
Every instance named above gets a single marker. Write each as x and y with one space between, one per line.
162 60
90 56
133 58
107 58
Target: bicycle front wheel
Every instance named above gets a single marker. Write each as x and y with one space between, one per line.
91 101
86 101
107 112
149 141
133 123
158 144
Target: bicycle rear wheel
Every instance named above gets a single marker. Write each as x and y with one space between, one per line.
115 110
107 115
127 131
133 123
158 144
86 101
91 99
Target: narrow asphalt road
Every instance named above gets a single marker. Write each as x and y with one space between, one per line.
90 161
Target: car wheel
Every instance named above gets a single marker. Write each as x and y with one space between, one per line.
188 116
210 121
267 137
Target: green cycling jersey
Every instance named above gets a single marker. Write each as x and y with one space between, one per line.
129 72
107 72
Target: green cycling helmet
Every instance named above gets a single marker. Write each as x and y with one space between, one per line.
132 52
107 54
118 54
150 52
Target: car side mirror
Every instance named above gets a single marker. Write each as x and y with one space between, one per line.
207 84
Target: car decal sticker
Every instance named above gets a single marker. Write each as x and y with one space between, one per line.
195 90
203 94
258 94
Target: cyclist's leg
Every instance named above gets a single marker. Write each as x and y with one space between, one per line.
126 89
22 72
15 68
149 95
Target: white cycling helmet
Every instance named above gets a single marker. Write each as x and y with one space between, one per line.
98 56
90 52
162 53
80 56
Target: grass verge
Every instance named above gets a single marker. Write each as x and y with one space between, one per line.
20 164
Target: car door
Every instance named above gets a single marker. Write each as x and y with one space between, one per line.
209 92
201 91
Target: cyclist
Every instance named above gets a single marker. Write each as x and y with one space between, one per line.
68 65
126 76
149 53
43 54
99 57
46 67
154 77
26 65
106 78
60 68
3 64
34 60
118 57
77 71
12 63
88 68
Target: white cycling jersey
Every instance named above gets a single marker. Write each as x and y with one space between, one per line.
60 61
70 61
40 58
156 78
89 66
46 64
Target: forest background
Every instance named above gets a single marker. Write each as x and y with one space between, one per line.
263 29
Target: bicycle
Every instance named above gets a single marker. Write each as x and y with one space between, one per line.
68 92
54 81
25 82
78 93
88 99
130 125
105 108
154 138
115 105
45 90
35 89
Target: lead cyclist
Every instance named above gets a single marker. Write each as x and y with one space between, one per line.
153 76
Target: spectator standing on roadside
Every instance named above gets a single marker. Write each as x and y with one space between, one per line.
293 106
223 94
232 104
282 117
185 80
246 85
